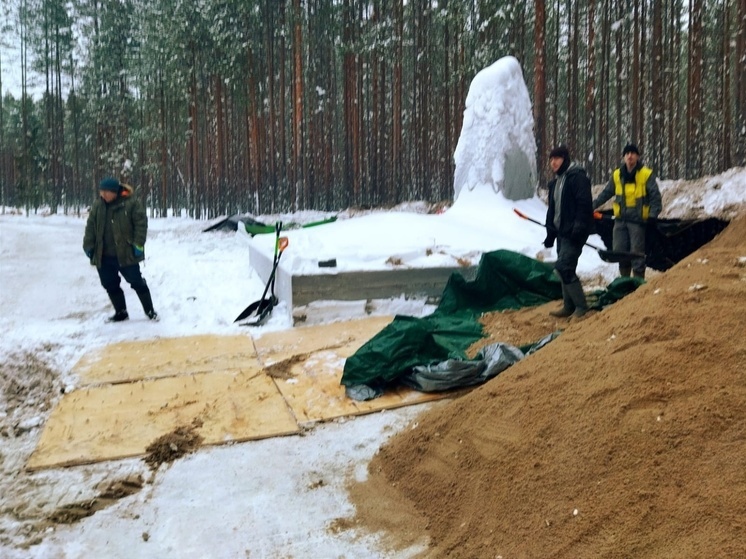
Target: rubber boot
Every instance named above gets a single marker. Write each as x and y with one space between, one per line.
120 306
568 306
147 303
640 275
625 270
575 291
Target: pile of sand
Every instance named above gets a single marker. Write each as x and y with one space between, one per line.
625 437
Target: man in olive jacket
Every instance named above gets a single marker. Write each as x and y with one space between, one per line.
114 242
569 222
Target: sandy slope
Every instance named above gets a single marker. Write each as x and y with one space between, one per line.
625 437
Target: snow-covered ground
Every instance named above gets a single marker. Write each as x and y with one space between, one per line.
282 497
270 498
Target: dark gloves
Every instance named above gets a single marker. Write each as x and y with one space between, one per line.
88 252
549 242
578 235
138 251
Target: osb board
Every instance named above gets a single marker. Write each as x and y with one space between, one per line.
312 390
121 420
346 337
126 361
159 385
307 365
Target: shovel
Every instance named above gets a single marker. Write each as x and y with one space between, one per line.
605 255
263 307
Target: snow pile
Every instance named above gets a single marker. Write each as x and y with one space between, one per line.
496 149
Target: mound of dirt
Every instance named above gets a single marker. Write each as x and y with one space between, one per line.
624 437
28 386
110 492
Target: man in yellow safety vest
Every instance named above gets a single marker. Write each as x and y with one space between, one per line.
636 203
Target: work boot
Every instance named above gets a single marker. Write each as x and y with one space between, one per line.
575 292
568 307
120 306
118 316
147 303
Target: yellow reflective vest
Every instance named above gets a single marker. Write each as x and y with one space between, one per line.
632 195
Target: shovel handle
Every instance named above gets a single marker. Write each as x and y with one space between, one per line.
524 216
606 255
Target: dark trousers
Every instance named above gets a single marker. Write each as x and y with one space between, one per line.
630 237
568 253
109 273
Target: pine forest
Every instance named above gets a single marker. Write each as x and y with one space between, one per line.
262 106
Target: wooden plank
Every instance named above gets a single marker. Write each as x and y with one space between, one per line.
163 357
312 390
238 393
345 337
117 421
307 365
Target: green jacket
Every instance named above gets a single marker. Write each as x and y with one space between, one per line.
129 224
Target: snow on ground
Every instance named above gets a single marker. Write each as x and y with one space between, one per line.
281 497
277 497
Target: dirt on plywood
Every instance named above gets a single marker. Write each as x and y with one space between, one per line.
171 446
624 437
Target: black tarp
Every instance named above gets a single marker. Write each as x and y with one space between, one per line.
230 223
668 241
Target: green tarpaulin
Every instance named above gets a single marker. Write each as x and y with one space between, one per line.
504 280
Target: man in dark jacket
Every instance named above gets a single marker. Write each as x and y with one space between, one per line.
569 222
114 242
637 203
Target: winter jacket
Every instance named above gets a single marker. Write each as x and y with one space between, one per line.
576 211
129 224
636 194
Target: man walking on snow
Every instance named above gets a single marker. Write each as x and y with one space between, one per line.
569 221
637 202
114 242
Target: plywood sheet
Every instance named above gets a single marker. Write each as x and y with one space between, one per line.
312 390
121 420
127 361
345 337
307 364
136 392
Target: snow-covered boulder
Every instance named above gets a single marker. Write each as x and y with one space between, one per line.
497 149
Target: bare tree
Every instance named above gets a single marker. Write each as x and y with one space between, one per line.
694 90
540 83
655 148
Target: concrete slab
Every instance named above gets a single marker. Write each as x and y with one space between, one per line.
301 289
